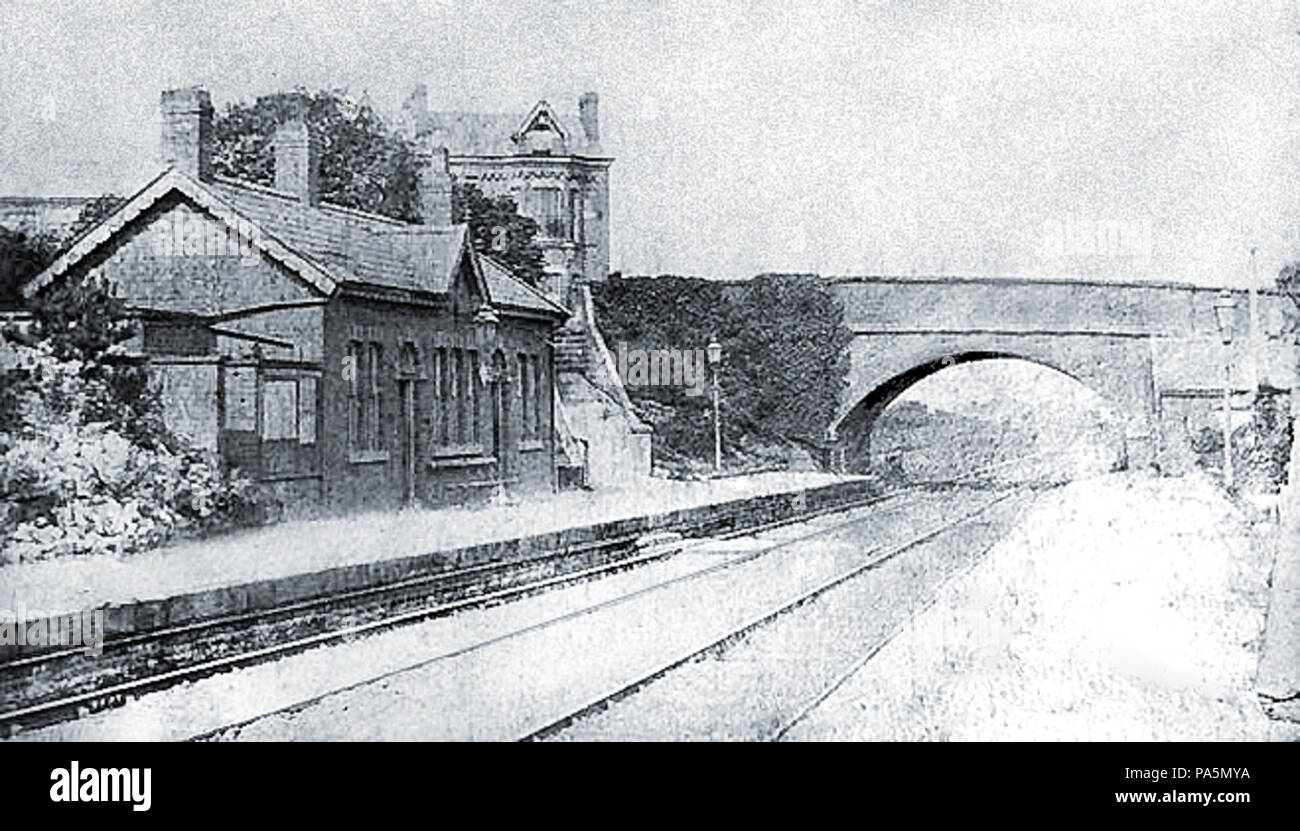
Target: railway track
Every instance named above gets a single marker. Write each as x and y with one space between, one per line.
232 729
875 558
135 665
810 706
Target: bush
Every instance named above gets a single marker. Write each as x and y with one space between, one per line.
1261 450
784 369
75 482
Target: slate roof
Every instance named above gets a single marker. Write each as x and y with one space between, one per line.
507 291
356 247
326 245
492 134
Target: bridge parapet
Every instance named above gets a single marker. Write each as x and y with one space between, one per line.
1016 305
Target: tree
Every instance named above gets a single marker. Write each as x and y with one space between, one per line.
795 349
366 166
362 164
1288 280
80 320
23 255
497 228
785 350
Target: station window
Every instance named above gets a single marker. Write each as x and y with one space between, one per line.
365 397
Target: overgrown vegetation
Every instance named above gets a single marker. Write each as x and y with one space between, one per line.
366 165
86 465
1261 450
784 368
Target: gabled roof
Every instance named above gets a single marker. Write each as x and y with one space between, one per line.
324 245
166 182
542 116
507 291
354 246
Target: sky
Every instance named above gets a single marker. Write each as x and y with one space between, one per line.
1090 138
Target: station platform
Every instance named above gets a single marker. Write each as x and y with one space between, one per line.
271 566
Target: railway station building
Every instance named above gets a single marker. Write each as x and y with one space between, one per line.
340 358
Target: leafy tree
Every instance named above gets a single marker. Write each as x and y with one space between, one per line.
82 320
795 348
362 165
366 166
1288 280
497 228
24 255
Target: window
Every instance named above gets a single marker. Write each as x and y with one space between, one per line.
527 407
306 410
440 420
457 420
532 396
460 390
575 215
541 398
365 401
547 209
471 397
373 437
289 409
279 410
356 404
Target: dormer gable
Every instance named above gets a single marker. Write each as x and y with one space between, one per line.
540 133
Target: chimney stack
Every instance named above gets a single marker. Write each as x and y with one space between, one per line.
589 114
187 131
433 183
297 161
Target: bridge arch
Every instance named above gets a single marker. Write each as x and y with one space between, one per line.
1118 374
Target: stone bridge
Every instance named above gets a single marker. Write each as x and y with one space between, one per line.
1152 350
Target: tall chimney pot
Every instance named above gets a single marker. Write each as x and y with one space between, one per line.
415 110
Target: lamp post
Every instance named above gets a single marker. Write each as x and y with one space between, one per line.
1224 306
714 352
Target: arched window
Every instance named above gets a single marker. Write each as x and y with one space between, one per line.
409 361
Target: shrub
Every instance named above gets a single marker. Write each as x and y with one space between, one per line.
1261 450
76 478
784 368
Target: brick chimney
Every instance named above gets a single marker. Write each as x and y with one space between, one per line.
433 182
297 161
589 115
187 131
